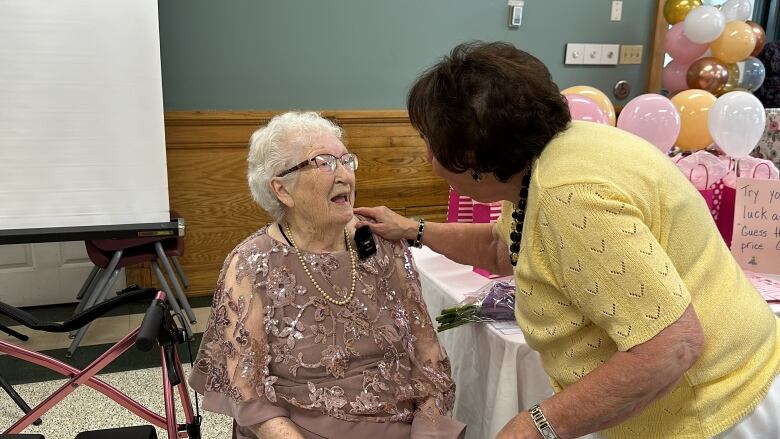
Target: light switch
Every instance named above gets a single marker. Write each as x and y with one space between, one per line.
592 54
617 10
631 54
575 53
515 16
610 54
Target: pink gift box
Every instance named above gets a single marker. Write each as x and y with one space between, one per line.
462 209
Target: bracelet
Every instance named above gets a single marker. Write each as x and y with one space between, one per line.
544 427
417 243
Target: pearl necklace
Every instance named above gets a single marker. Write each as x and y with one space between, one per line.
311 278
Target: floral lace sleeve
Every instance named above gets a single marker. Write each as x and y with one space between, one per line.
231 369
430 365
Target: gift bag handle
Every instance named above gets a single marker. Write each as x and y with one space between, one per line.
768 170
706 173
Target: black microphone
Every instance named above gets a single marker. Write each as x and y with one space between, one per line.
364 241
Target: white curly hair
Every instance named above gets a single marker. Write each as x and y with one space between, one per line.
276 147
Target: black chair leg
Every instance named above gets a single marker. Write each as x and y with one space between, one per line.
17 399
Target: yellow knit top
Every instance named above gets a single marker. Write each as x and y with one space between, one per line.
616 244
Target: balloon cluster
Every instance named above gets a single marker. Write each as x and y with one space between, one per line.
711 77
692 120
713 46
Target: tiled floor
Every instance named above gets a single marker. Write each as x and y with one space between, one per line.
86 409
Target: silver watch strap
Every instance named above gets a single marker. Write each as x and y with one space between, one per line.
541 423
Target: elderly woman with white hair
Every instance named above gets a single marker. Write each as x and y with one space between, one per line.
306 340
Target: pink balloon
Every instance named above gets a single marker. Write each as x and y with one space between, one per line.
679 47
673 78
582 108
653 118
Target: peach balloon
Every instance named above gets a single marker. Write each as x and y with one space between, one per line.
694 106
735 43
596 96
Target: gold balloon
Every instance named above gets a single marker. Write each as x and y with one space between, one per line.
694 107
596 96
707 74
732 84
760 37
735 43
676 10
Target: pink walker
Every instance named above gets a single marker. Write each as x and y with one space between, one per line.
158 327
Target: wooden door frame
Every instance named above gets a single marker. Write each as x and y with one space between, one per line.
657 50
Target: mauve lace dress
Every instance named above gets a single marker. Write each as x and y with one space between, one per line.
275 347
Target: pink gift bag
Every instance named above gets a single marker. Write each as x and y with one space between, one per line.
708 193
724 198
723 209
462 209
720 201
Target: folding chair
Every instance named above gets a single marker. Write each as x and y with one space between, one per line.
111 255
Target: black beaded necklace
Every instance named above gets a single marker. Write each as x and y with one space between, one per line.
518 219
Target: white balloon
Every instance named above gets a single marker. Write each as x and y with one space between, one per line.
704 24
736 122
741 10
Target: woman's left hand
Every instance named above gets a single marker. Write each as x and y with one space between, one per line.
519 427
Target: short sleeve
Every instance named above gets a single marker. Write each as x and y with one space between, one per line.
609 263
231 369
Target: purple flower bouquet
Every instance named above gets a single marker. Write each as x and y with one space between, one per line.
495 301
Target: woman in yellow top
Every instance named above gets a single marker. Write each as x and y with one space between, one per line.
645 324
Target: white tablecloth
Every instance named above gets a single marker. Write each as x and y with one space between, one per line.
496 373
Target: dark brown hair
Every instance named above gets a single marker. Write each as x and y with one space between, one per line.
489 107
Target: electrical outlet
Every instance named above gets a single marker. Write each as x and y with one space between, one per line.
631 54
592 54
617 11
610 54
575 53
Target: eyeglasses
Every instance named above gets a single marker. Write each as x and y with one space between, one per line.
326 162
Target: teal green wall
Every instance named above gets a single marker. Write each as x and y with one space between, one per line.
362 54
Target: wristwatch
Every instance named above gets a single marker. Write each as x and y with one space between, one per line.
541 423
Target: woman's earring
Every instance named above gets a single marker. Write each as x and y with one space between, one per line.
476 176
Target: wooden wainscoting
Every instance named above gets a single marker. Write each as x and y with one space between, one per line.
206 153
